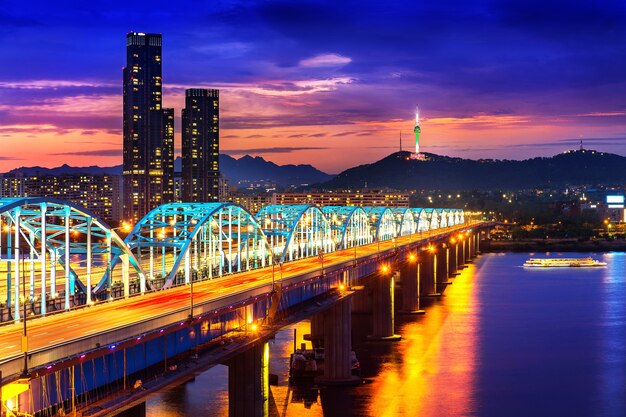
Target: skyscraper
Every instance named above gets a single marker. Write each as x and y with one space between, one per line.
200 147
145 148
168 156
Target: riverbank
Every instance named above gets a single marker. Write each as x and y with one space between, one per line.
553 245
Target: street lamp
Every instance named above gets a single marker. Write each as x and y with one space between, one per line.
25 373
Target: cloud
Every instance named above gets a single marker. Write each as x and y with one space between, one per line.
254 136
325 60
97 152
271 150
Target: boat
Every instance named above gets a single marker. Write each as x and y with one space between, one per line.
563 262
308 363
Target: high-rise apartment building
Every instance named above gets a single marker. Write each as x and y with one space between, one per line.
168 156
100 194
146 152
200 147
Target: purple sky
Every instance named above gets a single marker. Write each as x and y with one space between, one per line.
327 83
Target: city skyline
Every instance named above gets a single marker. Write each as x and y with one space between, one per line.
501 80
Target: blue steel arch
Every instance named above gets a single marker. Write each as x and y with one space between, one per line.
351 225
405 220
175 227
283 223
442 214
432 218
383 222
422 219
31 214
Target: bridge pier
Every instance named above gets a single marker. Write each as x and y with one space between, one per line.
462 258
383 308
338 344
453 259
248 382
443 258
317 330
427 274
473 245
411 288
362 299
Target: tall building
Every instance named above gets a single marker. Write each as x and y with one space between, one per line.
169 194
200 147
145 149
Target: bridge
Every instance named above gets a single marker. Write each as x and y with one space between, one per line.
88 313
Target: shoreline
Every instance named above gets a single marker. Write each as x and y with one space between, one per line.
552 245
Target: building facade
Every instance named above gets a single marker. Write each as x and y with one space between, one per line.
200 146
146 152
100 194
360 199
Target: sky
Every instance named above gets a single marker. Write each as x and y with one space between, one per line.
328 83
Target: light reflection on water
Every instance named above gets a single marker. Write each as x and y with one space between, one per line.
503 341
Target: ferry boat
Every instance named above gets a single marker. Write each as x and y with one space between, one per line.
563 262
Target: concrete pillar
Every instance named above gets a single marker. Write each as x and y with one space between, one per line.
427 272
317 330
454 255
383 308
248 382
362 299
137 411
478 243
443 257
410 288
463 252
338 344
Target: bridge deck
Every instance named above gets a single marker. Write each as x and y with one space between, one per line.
61 330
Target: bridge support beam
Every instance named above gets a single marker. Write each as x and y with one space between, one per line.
411 288
338 345
248 382
383 308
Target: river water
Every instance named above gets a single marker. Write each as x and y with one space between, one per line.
502 341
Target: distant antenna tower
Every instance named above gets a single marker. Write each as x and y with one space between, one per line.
417 130
581 144
400 141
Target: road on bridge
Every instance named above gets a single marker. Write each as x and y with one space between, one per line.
56 329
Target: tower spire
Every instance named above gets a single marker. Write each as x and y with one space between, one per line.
417 130
400 141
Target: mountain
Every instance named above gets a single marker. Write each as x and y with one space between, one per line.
66 169
257 168
399 171
245 168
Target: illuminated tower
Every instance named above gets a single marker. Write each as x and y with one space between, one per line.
417 131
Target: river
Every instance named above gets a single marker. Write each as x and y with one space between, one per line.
502 341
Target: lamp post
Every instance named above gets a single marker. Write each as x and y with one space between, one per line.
24 335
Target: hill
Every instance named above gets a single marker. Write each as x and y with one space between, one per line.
445 173
245 168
